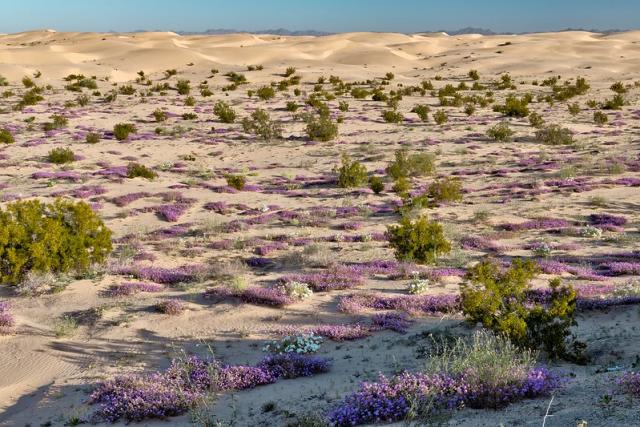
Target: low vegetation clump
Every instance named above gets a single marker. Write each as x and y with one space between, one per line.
554 135
407 165
351 173
224 112
514 107
236 181
92 138
61 155
422 111
485 371
320 127
57 122
260 124
137 170
500 132
498 300
421 241
265 93
392 116
600 118
122 130
56 237
445 190
6 137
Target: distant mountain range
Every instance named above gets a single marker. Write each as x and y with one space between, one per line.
467 30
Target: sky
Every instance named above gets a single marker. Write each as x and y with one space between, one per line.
322 15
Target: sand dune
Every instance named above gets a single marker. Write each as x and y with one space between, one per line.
120 55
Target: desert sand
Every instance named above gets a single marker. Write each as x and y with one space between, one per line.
46 378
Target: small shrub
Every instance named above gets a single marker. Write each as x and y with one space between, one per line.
6 137
183 87
265 93
500 132
422 111
469 109
261 124
61 155
474 75
292 106
300 344
343 106
376 185
514 107
135 170
172 307
290 71
224 112
401 187
618 87
236 181
615 103
554 135
57 122
498 300
392 116
440 117
574 109
122 130
321 127
421 241
351 173
92 138
536 120
56 237
160 115
418 287
411 165
189 116
446 190
600 118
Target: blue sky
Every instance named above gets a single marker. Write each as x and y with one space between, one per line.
324 15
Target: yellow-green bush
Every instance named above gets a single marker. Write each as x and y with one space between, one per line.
55 237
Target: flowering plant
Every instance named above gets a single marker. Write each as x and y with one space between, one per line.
300 344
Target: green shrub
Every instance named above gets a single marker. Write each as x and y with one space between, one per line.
92 138
615 103
292 106
359 93
57 122
30 97
265 93
574 109
474 75
122 130
600 118
554 135
160 115
83 100
446 190
189 116
351 173
498 300
321 127
376 185
392 116
261 124
421 241
126 90
290 71
135 170
536 120
189 101
6 137
469 109
401 187
514 107
343 106
618 87
56 237
440 117
422 111
236 181
183 87
224 112
500 132
409 165
61 155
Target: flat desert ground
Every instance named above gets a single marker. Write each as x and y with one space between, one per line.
292 218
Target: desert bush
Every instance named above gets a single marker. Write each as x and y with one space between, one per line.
618 87
6 137
514 107
292 106
55 237
189 101
376 185
265 93
401 187
261 124
160 115
300 344
92 138
126 90
615 103
498 300
343 106
135 170
422 111
392 116
474 75
440 117
236 181
320 127
536 120
351 173
61 155
600 118
359 93
410 165
189 116
421 241
574 109
183 87
290 71
469 109
500 132
30 97
554 135
122 130
446 190
57 122
83 100
224 112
